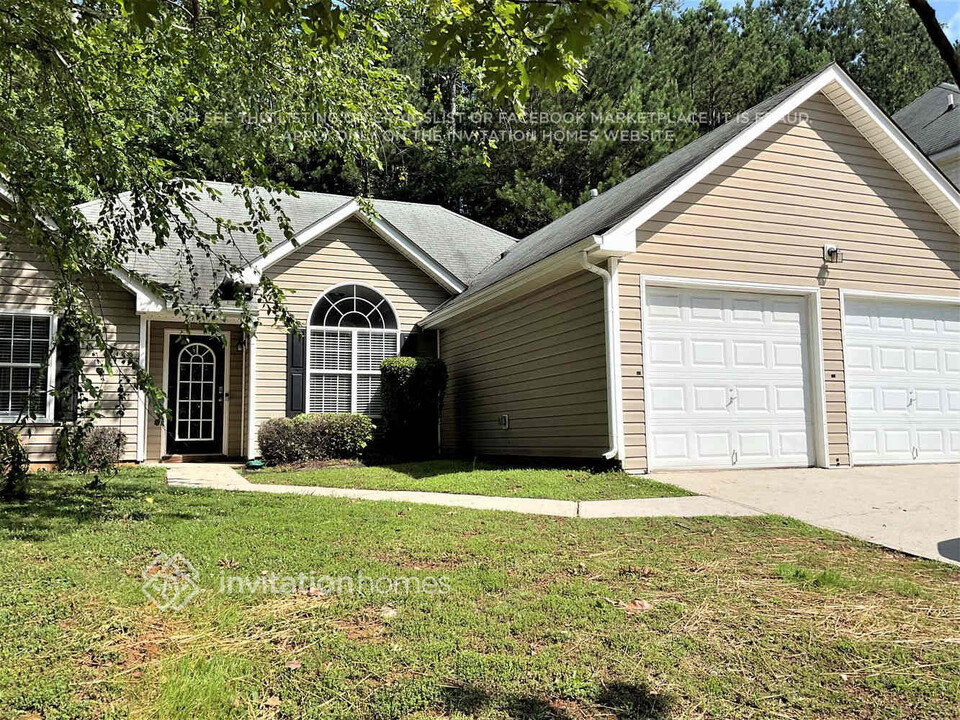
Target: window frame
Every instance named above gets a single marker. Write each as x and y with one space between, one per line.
47 418
353 373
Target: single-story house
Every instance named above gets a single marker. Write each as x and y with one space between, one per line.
783 291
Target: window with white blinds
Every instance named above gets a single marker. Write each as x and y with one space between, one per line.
25 349
352 330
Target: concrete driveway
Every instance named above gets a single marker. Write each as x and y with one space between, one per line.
913 508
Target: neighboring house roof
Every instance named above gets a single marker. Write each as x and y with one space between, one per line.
612 218
930 121
457 244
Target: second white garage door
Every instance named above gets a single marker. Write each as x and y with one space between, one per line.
727 379
903 380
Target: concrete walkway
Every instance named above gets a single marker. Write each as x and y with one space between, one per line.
915 509
224 477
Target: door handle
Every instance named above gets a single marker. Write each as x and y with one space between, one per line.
731 396
911 397
915 451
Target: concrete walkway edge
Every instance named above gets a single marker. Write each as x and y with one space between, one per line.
223 477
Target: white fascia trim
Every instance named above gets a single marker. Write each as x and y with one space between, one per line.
6 193
395 238
622 236
904 297
527 276
251 274
147 302
409 250
896 135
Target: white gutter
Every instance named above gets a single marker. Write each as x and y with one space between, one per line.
611 324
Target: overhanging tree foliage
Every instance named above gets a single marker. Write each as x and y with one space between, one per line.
140 97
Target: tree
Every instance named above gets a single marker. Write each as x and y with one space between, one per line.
948 52
139 96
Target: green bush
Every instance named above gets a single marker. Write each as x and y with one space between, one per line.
90 449
14 463
323 436
412 390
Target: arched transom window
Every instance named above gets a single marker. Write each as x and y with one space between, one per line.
352 329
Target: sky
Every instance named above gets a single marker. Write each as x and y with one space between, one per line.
948 12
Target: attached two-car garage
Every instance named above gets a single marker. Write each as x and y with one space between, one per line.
733 378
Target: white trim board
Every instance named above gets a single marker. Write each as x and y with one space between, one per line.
393 237
814 336
251 396
143 355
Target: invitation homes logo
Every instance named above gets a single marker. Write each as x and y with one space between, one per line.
171 581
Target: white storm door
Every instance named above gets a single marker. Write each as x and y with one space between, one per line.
902 363
728 379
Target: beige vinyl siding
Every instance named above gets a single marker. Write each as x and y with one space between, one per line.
764 216
234 414
26 283
351 252
539 359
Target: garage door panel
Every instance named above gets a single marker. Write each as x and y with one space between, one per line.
725 375
903 380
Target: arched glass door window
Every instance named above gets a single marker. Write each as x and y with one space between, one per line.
352 329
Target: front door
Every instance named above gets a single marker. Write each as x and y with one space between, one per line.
195 395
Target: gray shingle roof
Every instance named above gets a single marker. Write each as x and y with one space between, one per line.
929 122
600 214
463 247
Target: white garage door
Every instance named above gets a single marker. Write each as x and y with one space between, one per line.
727 379
903 380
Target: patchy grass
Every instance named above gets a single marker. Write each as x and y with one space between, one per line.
457 476
545 617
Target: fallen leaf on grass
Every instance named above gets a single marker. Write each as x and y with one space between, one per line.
273 701
637 605
387 612
293 665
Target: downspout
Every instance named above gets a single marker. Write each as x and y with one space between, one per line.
611 321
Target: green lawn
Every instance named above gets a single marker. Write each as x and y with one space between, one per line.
456 476
747 618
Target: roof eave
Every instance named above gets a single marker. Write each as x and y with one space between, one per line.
391 235
529 278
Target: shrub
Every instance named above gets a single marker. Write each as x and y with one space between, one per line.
104 448
14 463
412 390
89 449
308 437
278 441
